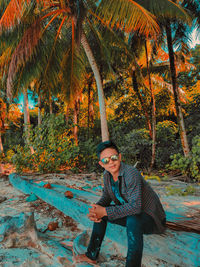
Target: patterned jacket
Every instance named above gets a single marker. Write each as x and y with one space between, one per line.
138 195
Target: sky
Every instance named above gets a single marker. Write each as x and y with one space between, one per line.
195 38
31 101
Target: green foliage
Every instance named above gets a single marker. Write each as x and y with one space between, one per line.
152 177
136 147
9 155
2 157
172 190
166 144
88 158
21 159
54 148
189 166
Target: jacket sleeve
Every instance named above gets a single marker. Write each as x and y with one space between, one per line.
134 198
105 199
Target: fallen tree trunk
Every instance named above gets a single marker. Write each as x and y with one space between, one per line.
18 231
190 225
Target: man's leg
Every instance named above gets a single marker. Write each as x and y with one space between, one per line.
136 226
96 239
135 241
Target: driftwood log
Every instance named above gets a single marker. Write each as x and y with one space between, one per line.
18 231
189 225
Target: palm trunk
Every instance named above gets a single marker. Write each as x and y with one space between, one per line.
27 120
153 157
1 144
102 106
76 113
180 119
50 104
89 105
39 110
135 87
67 115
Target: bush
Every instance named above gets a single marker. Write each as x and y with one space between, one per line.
54 148
88 157
189 190
166 143
136 147
189 166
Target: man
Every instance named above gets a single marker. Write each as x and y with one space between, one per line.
137 206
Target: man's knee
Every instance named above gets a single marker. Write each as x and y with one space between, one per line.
134 221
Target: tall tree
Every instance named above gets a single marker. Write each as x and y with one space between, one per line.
75 13
27 124
166 19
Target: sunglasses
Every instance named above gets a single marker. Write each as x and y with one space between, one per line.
107 159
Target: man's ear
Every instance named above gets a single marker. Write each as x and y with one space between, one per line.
101 164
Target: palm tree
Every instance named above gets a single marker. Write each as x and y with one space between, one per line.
167 20
74 13
2 123
27 124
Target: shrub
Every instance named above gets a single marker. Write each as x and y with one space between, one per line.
9 154
88 158
166 143
189 190
189 166
54 148
136 147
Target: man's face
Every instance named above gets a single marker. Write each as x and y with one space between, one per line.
112 166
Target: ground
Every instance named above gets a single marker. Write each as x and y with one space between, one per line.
63 228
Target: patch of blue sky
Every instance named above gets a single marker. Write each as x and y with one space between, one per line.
195 38
31 100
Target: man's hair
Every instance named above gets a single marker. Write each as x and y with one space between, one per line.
104 145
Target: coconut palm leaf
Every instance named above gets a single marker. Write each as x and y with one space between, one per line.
165 9
128 15
72 74
23 52
193 8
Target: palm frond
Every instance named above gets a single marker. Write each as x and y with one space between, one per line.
159 81
14 11
23 52
181 35
193 7
129 16
11 14
71 75
166 9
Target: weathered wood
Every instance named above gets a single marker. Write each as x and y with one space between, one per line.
18 231
2 199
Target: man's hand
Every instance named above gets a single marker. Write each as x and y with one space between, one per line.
97 212
92 215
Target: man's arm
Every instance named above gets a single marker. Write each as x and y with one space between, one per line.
105 199
134 197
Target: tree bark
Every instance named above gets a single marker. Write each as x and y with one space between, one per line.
76 113
50 104
39 110
135 87
67 115
27 120
1 144
89 106
102 106
153 157
179 114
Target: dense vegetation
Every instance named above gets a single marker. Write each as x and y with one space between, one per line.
150 82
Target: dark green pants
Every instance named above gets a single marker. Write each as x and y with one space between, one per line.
136 226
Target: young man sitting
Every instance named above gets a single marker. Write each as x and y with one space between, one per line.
137 206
